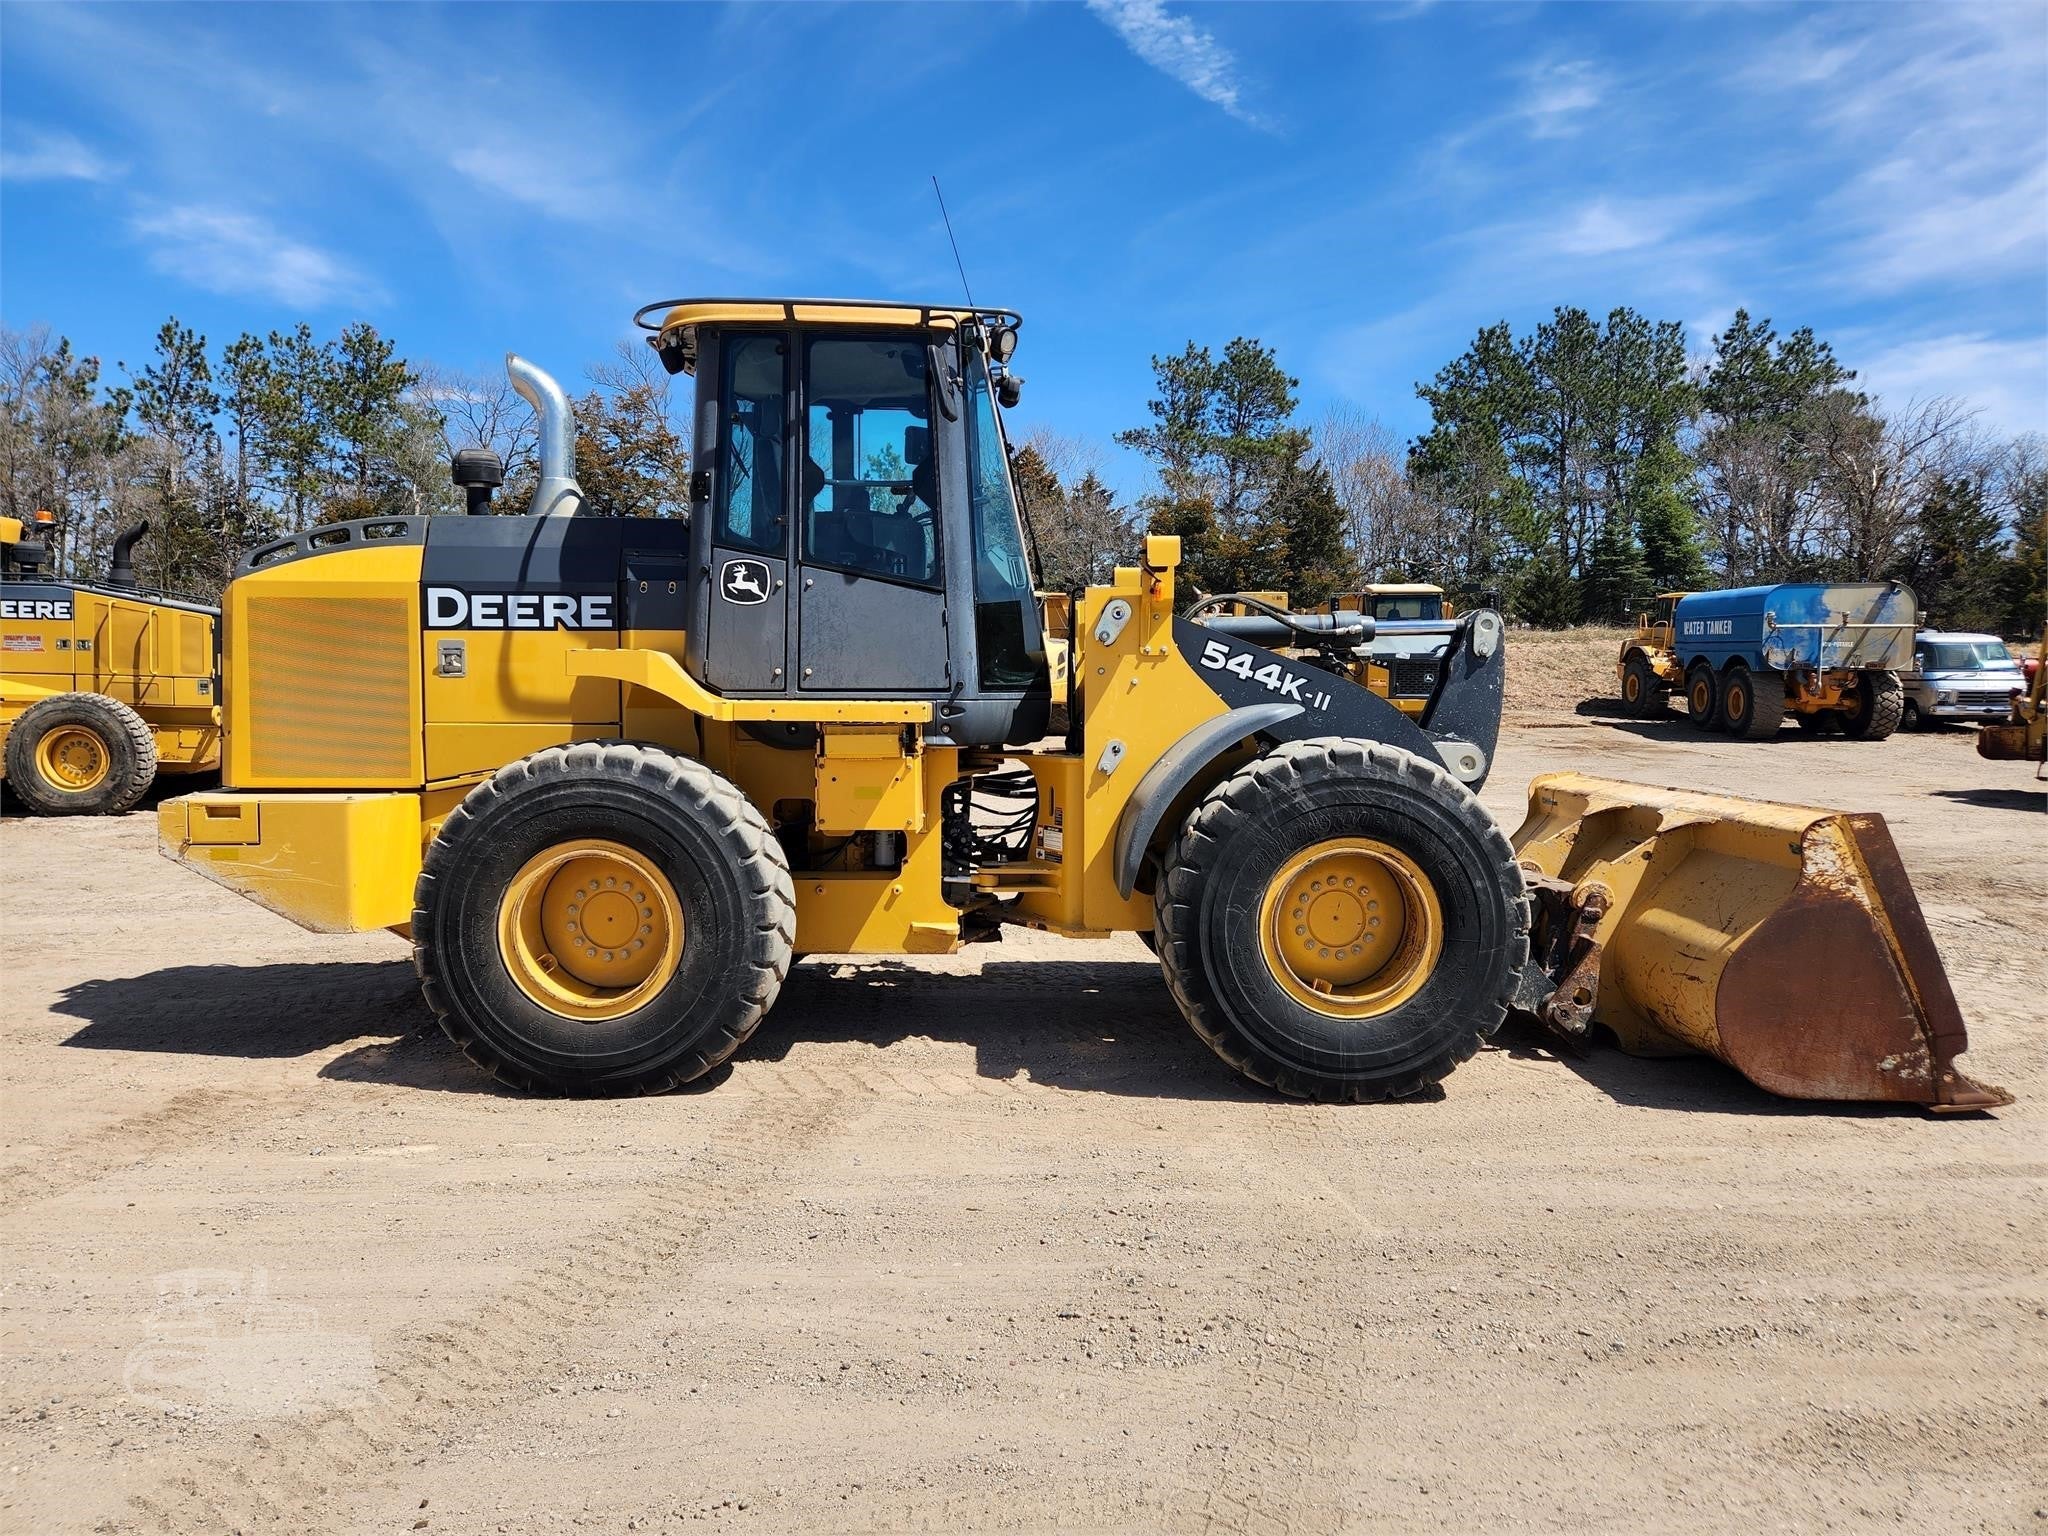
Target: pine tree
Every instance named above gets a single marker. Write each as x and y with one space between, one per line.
2023 583
1222 438
1315 562
1955 567
1544 592
364 422
1617 574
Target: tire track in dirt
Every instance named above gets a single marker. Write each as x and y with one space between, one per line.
194 1116
311 1475
1283 1424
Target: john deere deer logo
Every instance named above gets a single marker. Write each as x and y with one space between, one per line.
743 581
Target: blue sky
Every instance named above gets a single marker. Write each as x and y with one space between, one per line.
1361 187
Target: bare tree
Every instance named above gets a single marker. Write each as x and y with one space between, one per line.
1880 469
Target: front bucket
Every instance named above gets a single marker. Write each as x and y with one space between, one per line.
1783 939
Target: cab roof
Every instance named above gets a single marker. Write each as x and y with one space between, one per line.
1401 589
674 322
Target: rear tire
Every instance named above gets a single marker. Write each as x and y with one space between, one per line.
80 754
1703 697
1386 826
688 934
1880 701
1642 692
1751 709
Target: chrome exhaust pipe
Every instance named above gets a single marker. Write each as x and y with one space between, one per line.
558 494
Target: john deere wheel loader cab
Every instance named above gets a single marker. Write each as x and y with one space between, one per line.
611 775
102 685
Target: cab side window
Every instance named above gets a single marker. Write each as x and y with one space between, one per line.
750 480
870 494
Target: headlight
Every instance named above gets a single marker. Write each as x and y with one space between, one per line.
1944 698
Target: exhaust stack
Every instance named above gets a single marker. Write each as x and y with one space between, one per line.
558 494
121 567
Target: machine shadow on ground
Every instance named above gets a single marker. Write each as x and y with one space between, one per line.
1097 1026
259 1012
2034 800
1697 1083
1093 1026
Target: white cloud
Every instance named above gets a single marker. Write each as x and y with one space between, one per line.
1941 117
1180 50
1607 226
37 154
1925 231
2005 380
547 178
243 255
1559 97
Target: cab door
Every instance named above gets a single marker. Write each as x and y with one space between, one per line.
871 602
741 598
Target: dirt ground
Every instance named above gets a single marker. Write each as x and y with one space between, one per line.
993 1243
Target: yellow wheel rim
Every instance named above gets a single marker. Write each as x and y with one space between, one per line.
590 929
1737 701
73 758
1351 928
1631 688
1702 696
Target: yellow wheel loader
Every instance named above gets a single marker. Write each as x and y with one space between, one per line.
612 775
103 685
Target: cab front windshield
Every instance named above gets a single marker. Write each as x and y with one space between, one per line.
1965 656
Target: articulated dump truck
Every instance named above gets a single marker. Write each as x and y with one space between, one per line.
612 776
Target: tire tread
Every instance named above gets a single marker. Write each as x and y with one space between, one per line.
115 720
1223 814
719 803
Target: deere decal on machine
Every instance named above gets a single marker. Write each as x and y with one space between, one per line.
813 720
102 685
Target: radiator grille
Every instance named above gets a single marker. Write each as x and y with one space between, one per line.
330 695
1412 679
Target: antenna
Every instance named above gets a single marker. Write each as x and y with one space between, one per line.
955 243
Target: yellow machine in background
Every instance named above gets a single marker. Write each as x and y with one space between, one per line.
612 776
2024 737
102 685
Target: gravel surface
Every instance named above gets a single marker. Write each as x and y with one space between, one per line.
991 1242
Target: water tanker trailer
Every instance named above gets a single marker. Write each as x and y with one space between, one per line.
1829 656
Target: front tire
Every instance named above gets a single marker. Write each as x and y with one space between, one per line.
1642 692
80 754
1342 921
603 918
1880 701
1751 708
1703 697
1910 718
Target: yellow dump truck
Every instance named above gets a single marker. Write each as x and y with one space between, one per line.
103 685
